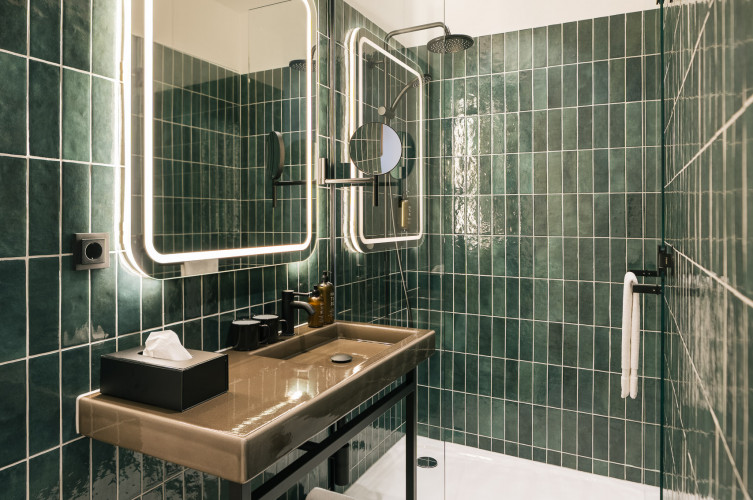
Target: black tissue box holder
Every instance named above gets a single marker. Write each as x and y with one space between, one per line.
174 385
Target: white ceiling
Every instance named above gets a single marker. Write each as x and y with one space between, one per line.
485 17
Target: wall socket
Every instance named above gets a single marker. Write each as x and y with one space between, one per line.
91 251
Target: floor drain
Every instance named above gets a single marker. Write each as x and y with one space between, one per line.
427 462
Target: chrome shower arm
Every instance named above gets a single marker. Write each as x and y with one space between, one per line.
420 27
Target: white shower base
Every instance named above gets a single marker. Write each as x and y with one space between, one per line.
469 473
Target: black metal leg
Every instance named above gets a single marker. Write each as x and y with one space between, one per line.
240 491
411 439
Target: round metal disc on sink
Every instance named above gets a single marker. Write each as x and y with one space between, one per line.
341 358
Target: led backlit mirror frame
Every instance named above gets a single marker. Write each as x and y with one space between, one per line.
356 41
148 171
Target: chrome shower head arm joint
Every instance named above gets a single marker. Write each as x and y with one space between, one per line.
412 29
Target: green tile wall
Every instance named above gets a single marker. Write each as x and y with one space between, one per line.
708 352
544 181
58 179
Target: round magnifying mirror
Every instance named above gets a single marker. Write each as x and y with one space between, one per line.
408 160
275 155
375 148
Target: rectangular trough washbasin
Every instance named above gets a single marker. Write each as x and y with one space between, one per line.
278 398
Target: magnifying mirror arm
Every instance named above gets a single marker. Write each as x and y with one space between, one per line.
353 181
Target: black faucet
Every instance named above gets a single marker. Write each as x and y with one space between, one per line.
288 304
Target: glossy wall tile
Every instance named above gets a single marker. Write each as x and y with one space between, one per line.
58 165
544 149
708 348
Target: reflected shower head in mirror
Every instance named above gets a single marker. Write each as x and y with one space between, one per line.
415 83
300 64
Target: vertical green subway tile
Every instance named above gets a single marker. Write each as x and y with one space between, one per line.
129 298
498 53
633 79
554 44
601 82
617 80
540 99
74 317
617 125
104 37
44 110
569 43
554 87
77 34
585 40
103 303
44 413
76 116
13 315
44 475
13 413
12 99
13 206
601 38
44 27
485 55
633 34
75 473
511 51
569 85
151 304
75 210
525 49
44 282
585 84
617 36
104 121
13 26
540 47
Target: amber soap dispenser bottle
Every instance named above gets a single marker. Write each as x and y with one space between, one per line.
327 290
317 303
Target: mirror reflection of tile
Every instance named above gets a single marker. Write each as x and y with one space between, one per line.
211 191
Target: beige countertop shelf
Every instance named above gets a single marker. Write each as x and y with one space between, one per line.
278 397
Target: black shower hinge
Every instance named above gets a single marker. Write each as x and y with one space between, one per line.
664 259
653 289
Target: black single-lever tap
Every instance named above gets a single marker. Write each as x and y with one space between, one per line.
288 305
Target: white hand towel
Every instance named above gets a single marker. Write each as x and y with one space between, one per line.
630 324
165 345
635 344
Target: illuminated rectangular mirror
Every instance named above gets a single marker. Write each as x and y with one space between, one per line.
210 80
385 86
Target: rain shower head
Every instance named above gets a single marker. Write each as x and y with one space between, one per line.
298 64
449 44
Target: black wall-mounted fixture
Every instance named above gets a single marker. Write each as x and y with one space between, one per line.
91 251
275 163
664 262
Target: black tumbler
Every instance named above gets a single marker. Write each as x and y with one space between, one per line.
251 334
273 322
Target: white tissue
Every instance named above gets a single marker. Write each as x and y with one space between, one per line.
165 345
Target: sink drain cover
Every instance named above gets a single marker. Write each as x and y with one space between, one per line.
341 358
427 462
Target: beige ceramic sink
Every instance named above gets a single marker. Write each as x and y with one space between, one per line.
278 397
